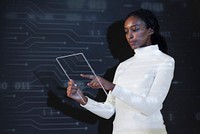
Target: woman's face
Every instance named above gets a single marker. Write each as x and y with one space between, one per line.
136 32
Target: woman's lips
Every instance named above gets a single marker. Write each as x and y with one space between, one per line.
131 42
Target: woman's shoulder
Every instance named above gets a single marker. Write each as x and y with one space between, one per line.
125 63
165 57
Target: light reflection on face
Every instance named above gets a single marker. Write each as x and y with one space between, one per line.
136 32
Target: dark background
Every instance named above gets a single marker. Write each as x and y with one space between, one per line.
35 32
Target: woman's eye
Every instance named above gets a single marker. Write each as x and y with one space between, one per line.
135 29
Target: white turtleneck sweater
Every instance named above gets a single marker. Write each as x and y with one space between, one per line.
142 83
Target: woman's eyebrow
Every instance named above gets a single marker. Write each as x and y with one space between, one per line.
134 25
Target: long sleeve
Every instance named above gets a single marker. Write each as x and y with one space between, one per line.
157 93
103 109
142 83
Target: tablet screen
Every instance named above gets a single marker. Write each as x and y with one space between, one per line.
75 64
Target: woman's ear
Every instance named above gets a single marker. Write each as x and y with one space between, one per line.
151 31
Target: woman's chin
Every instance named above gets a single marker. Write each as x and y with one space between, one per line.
134 46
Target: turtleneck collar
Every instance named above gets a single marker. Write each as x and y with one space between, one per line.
147 50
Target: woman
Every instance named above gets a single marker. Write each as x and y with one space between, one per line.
140 84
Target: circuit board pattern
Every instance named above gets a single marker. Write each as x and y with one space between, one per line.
35 32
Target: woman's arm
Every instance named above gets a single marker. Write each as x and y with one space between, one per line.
157 93
105 110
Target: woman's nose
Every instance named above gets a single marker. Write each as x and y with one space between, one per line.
130 34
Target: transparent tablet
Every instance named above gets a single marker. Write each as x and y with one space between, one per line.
75 64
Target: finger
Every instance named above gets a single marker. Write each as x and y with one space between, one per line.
68 92
88 76
70 88
71 91
93 85
94 82
70 82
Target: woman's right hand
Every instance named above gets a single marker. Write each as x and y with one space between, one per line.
74 92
